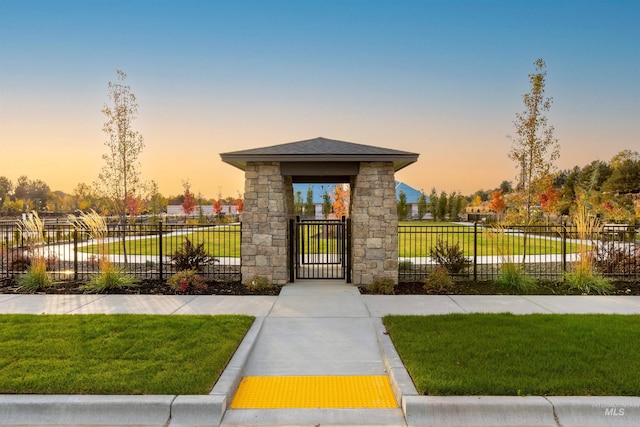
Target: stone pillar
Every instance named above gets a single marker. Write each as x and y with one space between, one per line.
265 223
374 224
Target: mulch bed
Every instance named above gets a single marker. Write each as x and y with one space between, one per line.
145 287
156 287
491 288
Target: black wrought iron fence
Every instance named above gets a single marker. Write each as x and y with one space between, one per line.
142 250
477 252
473 252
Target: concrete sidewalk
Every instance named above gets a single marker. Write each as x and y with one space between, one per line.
316 328
322 304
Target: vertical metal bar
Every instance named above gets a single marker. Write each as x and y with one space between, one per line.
343 248
222 240
160 254
301 243
5 268
317 267
75 254
564 249
475 251
292 254
348 257
298 251
319 252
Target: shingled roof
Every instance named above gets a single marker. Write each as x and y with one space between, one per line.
320 150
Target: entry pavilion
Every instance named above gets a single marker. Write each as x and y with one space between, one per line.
269 204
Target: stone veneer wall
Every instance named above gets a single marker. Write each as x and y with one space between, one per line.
269 203
374 224
267 208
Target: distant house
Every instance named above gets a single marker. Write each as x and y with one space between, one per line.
319 190
205 209
413 196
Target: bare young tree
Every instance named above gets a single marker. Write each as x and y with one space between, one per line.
534 147
120 176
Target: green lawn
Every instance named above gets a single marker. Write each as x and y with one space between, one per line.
505 354
218 242
116 354
414 242
418 240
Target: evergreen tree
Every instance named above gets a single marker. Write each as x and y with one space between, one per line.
309 206
297 202
454 206
442 206
625 178
326 203
433 203
402 207
422 205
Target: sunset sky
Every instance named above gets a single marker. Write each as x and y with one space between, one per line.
440 78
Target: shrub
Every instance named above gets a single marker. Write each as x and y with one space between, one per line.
93 261
584 280
36 276
187 280
259 284
513 276
110 277
438 280
449 256
51 261
382 285
405 265
614 258
583 277
190 256
33 235
19 260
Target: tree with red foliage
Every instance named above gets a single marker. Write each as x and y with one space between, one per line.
549 200
498 204
341 203
133 205
217 206
189 204
239 204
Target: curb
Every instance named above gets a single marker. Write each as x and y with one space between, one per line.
199 410
507 411
125 410
583 411
401 381
85 410
229 380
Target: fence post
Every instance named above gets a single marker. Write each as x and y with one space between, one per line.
160 250
564 248
292 258
475 251
75 254
348 258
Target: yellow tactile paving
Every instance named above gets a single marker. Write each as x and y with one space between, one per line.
363 391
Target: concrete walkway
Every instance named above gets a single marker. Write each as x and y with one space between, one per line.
316 328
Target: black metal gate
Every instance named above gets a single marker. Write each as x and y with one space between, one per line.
319 249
